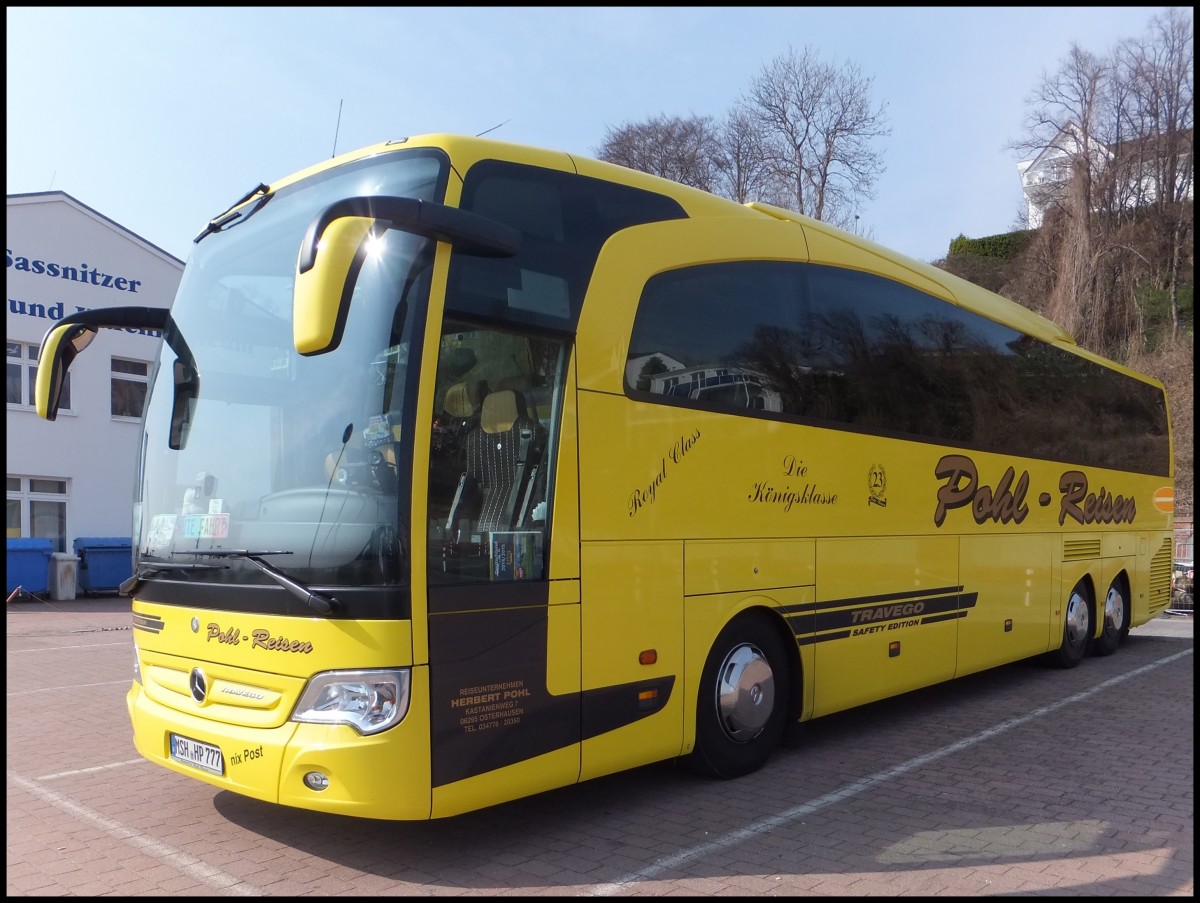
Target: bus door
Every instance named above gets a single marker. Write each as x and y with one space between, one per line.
503 633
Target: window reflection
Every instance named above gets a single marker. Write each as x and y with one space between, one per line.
841 347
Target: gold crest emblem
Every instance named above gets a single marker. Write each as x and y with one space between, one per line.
877 486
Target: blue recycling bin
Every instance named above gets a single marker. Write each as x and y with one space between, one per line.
105 562
28 564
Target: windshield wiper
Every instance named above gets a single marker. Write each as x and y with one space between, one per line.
221 220
318 602
145 569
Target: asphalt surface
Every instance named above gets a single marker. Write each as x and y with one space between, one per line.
1021 781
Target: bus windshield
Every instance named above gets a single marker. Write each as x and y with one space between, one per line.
297 461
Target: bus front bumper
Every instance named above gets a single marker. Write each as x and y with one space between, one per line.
386 776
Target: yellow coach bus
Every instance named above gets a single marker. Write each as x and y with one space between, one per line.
473 470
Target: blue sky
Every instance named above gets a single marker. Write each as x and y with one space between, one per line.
160 118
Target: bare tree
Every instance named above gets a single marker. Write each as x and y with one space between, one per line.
801 139
686 150
729 160
819 124
1078 120
1062 126
1160 73
1115 133
744 171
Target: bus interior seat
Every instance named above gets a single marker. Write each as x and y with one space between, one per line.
462 400
502 456
501 410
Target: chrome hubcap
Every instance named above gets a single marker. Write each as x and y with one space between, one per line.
745 693
1114 609
1077 620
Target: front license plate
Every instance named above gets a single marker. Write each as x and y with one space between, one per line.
197 754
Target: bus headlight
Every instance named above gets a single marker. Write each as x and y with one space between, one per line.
368 701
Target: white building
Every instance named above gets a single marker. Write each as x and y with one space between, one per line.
75 477
1044 178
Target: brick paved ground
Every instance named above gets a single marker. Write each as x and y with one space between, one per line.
1021 781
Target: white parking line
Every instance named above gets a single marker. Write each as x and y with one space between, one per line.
184 862
43 649
68 774
105 683
651 872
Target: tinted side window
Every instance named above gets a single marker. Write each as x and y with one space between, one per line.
723 335
563 219
843 348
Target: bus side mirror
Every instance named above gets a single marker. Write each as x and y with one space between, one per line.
64 341
60 346
321 297
335 244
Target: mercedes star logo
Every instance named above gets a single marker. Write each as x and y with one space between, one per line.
199 685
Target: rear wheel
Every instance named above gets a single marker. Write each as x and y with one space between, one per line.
743 699
1116 619
1077 629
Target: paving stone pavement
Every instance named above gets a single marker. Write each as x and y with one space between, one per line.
1020 781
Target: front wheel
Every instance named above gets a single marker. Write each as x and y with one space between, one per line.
1077 630
743 700
1116 619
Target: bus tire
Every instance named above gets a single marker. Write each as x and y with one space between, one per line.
1077 629
1115 619
743 699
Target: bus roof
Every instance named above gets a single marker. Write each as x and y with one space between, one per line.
698 203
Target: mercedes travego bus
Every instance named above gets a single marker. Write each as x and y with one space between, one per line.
472 470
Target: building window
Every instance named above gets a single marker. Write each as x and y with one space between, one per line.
130 380
37 509
14 509
22 375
